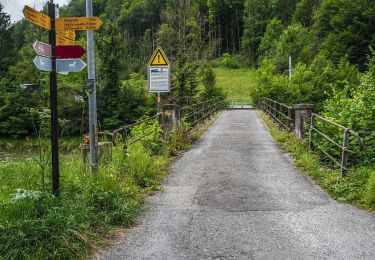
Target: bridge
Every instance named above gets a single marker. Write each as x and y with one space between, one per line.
237 195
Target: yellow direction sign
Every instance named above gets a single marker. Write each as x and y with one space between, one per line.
67 34
78 23
158 58
36 17
61 41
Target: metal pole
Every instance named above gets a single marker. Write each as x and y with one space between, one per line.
91 84
53 101
158 107
290 68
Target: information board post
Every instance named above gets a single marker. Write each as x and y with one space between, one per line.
158 76
158 107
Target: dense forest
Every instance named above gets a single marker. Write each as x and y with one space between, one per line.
330 42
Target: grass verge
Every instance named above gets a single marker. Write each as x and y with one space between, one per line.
357 188
92 206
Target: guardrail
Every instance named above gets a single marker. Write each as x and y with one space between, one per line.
198 112
239 103
125 131
286 116
344 146
280 112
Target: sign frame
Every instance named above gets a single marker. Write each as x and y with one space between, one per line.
150 81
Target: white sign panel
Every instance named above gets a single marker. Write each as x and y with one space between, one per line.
158 79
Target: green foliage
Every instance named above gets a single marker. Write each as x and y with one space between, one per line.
152 133
147 172
344 28
269 83
211 90
234 61
270 39
354 107
179 139
184 83
35 224
7 50
310 84
87 207
257 13
304 11
295 41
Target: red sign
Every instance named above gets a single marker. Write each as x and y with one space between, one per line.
69 52
42 49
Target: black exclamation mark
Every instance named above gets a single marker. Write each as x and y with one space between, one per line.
158 58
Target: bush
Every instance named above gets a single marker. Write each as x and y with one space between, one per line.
233 61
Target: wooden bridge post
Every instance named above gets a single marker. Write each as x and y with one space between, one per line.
302 116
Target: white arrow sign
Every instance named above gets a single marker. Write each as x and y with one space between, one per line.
70 65
43 63
63 66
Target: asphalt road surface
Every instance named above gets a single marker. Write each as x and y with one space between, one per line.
236 195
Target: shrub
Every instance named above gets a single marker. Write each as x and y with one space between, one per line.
233 61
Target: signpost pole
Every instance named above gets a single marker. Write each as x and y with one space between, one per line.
53 100
158 107
91 84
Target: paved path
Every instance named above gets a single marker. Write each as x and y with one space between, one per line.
236 195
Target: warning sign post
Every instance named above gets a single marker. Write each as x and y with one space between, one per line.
158 73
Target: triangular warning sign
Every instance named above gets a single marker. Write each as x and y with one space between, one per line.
158 58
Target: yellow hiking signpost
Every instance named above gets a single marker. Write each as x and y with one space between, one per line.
78 23
62 32
62 41
67 34
36 17
158 59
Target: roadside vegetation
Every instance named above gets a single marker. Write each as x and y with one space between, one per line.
91 206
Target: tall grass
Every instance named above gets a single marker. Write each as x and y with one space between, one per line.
34 224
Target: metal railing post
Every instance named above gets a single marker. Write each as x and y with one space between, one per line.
312 125
344 158
290 121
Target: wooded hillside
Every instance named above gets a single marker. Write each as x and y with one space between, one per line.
330 43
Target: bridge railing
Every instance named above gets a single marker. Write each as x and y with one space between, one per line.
125 131
196 113
322 133
239 103
280 112
328 144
